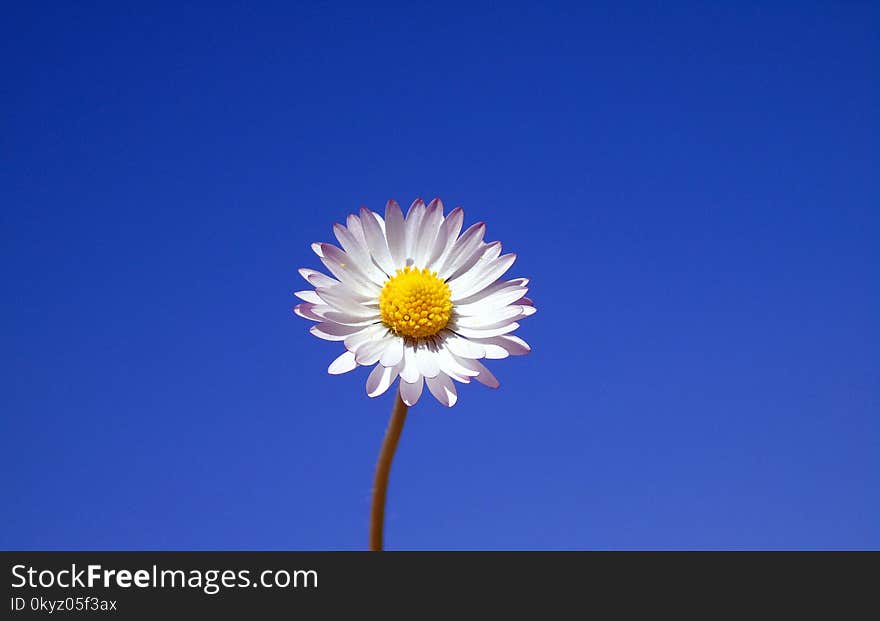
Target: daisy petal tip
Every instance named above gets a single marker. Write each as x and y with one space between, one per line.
343 364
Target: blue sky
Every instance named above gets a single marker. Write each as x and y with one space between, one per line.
692 191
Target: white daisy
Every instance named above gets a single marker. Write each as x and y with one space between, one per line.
416 299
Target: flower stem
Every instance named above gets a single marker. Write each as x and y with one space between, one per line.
383 469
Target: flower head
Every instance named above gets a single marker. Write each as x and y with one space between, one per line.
416 298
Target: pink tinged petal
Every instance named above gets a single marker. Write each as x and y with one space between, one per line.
380 220
461 346
370 352
480 276
443 389
485 333
339 298
490 317
322 310
428 230
343 364
426 361
349 319
316 248
484 375
395 231
353 223
393 354
528 306
414 217
493 251
493 302
466 249
333 331
359 254
483 249
446 237
351 244
409 372
346 270
410 392
308 296
305 311
316 278
380 379
376 241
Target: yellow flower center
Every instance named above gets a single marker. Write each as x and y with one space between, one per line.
415 303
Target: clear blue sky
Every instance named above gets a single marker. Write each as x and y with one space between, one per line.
692 190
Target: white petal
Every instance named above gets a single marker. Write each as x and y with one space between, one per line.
514 345
494 352
480 276
393 354
450 365
498 324
443 389
484 333
308 296
371 333
489 317
428 232
484 376
496 287
426 361
463 251
395 231
414 217
330 331
461 346
369 353
446 237
343 364
376 241
380 379
410 370
497 300
410 392
528 311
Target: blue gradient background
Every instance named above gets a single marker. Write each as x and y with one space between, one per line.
692 190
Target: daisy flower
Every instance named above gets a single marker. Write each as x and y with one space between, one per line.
416 298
